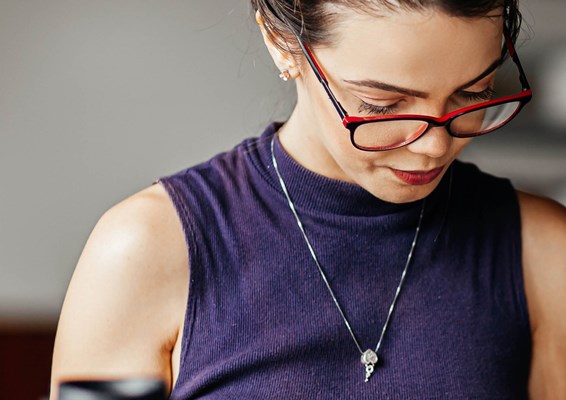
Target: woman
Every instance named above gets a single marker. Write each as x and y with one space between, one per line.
334 239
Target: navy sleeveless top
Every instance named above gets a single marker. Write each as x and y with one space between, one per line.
260 323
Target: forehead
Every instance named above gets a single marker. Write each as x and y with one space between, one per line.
427 50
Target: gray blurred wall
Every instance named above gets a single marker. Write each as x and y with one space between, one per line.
100 97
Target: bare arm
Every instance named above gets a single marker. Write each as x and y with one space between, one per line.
544 263
125 305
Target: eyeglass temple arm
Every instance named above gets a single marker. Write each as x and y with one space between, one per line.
320 76
515 57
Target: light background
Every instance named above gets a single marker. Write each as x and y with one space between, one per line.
100 97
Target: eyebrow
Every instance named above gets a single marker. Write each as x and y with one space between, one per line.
416 93
494 65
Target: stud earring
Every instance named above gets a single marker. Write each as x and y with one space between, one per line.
285 75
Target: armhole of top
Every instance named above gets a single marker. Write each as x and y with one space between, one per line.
517 272
192 259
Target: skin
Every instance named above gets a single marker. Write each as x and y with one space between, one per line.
124 310
314 135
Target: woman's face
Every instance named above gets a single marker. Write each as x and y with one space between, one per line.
425 58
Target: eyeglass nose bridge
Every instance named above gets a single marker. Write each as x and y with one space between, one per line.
442 122
445 122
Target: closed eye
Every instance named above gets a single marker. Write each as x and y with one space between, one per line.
372 109
485 95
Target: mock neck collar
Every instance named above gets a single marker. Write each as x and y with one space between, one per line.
316 193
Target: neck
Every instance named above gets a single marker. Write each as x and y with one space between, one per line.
299 139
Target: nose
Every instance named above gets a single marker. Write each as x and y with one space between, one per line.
435 143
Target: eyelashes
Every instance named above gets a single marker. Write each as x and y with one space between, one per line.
367 108
484 95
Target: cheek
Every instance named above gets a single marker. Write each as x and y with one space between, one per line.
328 126
459 145
356 165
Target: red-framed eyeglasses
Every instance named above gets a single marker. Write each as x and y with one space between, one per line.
388 132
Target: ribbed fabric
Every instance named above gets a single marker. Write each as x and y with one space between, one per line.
260 323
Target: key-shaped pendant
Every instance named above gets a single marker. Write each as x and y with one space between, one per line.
369 371
369 359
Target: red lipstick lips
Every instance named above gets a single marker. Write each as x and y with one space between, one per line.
417 177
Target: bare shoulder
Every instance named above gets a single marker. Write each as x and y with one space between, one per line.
544 253
544 239
544 265
144 222
541 216
125 303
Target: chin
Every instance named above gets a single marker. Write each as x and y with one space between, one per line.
403 198
399 194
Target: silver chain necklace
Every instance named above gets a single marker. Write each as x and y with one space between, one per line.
369 357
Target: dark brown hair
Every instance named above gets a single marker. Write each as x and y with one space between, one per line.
311 19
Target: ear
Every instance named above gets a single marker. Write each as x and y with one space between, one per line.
284 60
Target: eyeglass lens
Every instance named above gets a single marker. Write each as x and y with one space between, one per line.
385 134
